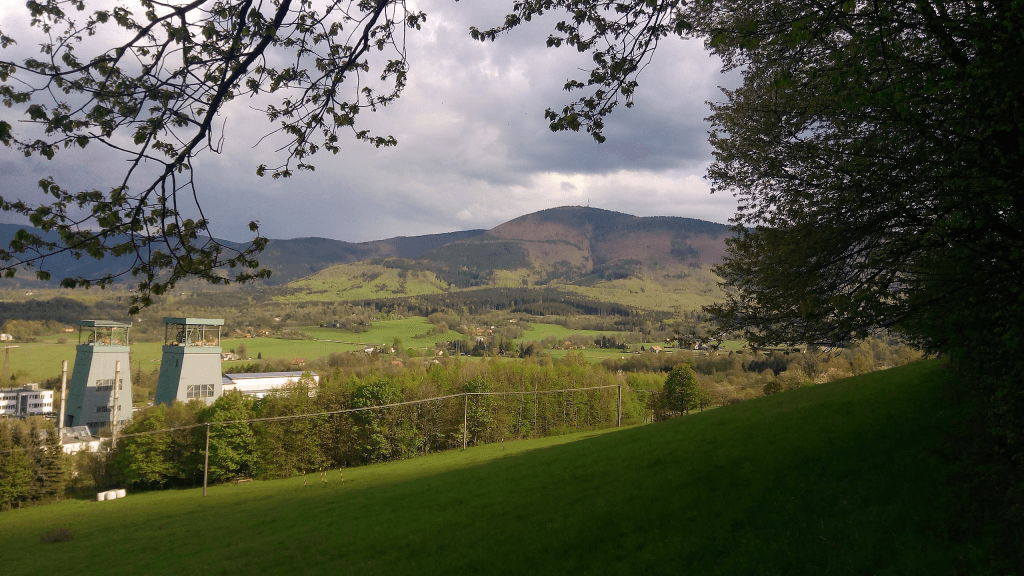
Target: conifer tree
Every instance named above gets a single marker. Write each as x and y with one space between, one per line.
15 471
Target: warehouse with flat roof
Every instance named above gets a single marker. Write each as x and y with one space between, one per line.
262 383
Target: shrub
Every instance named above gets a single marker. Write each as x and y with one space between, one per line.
56 535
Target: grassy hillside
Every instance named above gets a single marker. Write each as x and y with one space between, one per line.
837 478
384 332
668 289
362 281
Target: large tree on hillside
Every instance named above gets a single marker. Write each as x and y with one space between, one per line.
877 151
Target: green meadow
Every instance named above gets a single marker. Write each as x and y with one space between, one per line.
42 360
360 281
385 331
538 332
841 478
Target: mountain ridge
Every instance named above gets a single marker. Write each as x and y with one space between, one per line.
655 263
571 245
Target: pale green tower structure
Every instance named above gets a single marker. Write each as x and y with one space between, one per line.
190 368
90 402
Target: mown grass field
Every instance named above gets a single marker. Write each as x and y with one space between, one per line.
831 479
385 331
675 289
360 281
538 332
271 348
42 360
680 289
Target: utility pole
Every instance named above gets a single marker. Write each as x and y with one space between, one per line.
618 409
113 420
63 398
5 374
206 461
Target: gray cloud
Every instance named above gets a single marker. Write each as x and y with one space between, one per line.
474 147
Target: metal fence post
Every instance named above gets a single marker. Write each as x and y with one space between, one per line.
465 419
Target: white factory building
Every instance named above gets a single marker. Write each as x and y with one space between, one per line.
28 400
262 383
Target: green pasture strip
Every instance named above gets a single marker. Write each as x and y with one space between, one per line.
539 331
361 281
42 360
271 348
836 478
659 291
734 345
596 355
385 331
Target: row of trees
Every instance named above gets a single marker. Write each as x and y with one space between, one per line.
672 385
283 448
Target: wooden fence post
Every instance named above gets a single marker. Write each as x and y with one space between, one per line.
206 461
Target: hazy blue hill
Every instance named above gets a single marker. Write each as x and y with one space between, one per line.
286 259
603 223
653 262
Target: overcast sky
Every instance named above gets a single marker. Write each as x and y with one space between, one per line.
474 148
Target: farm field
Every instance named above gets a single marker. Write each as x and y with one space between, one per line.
539 331
837 478
42 360
385 331
687 289
360 281
596 355
272 348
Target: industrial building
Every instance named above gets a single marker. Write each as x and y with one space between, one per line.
190 368
262 383
101 357
28 400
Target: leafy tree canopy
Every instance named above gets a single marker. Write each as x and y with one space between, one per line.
877 152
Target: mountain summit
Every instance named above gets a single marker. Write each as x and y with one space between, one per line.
573 243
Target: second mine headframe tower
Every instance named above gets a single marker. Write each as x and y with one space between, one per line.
90 402
190 368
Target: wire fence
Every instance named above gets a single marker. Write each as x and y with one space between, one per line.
285 444
381 432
